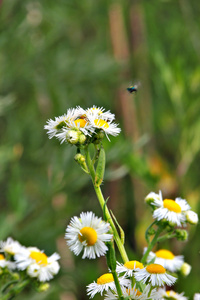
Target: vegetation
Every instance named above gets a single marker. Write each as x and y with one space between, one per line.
59 54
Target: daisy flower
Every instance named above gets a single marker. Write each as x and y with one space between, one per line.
10 246
53 127
171 210
196 296
165 295
129 267
104 283
154 274
37 263
6 263
105 125
133 293
73 130
99 113
88 233
166 259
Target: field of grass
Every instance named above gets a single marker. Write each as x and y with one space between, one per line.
60 54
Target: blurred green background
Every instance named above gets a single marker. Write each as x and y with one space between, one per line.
58 54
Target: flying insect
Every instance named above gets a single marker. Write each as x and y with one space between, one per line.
133 88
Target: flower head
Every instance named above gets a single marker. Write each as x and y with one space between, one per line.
10 246
170 295
99 112
37 263
197 296
154 274
99 123
129 267
104 283
133 293
171 210
6 263
166 259
88 233
89 122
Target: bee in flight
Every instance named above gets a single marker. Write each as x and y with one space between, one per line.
133 88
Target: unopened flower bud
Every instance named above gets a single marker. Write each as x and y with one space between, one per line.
185 269
79 158
72 136
191 217
149 199
82 139
43 287
181 235
15 276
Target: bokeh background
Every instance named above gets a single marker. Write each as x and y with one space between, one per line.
58 54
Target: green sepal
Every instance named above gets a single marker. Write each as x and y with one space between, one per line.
100 169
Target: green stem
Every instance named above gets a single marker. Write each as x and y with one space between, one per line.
152 243
118 287
166 236
104 208
8 284
15 290
146 232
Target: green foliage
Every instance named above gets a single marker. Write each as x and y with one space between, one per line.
58 54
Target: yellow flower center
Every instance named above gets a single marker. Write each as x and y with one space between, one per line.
170 295
39 257
95 109
89 235
138 293
133 264
155 269
172 205
101 123
80 122
163 253
2 257
105 278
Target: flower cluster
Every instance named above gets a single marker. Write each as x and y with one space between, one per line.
136 280
177 212
33 262
79 126
94 237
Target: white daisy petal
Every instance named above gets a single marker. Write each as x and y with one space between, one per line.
10 246
166 259
88 233
170 210
170 294
154 274
6 263
128 268
133 293
37 263
104 283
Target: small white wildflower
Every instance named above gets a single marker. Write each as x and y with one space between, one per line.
154 274
88 233
166 259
